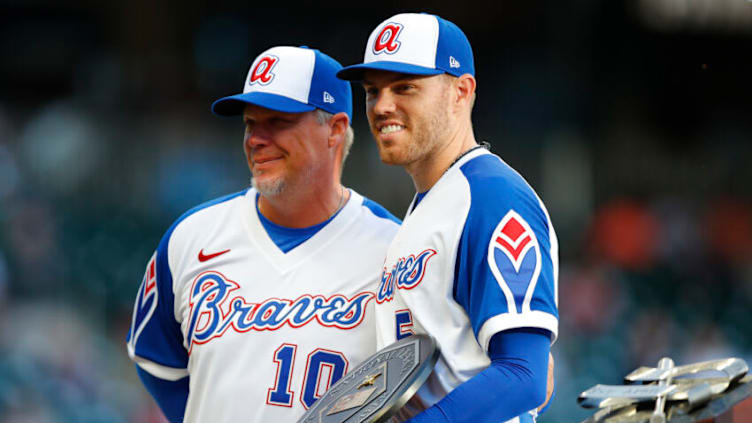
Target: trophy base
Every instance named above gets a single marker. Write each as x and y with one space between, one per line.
735 406
741 413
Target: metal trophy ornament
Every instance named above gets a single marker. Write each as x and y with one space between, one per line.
677 394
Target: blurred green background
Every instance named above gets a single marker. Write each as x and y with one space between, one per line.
630 118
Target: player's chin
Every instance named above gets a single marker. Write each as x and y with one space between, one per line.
268 185
391 155
389 145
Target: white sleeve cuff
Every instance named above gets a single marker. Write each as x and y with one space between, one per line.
157 370
501 322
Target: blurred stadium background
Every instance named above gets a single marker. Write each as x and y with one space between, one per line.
628 117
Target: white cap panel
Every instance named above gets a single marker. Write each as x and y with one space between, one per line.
285 71
407 38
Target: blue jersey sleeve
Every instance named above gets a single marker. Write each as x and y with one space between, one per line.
507 258
511 386
155 341
170 396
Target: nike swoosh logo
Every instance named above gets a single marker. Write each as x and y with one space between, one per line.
204 257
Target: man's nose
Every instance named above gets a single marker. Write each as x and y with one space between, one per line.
257 137
383 104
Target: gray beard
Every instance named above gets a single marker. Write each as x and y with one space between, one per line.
269 188
286 184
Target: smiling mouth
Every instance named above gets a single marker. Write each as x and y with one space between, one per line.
265 160
388 129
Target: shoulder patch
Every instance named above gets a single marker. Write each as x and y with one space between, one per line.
146 300
515 260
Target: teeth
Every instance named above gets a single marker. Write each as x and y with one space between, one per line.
390 128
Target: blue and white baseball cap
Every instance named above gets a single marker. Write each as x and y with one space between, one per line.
415 43
293 80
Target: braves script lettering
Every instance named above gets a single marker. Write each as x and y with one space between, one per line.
212 312
405 274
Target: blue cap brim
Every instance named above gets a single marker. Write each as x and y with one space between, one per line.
355 72
234 104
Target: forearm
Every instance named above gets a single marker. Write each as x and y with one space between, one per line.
513 384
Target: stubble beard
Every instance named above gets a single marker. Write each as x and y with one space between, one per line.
426 136
432 133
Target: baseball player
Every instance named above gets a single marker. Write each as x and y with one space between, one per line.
255 303
475 261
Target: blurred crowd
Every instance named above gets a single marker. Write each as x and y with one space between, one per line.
653 211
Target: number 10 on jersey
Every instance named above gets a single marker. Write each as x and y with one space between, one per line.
318 360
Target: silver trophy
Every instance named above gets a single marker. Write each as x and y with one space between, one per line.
377 389
671 393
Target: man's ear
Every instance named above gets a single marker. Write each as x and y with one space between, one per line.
338 125
464 87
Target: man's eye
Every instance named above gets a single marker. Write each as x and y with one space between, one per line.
404 88
371 92
279 121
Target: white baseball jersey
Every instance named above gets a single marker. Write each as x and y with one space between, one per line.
477 255
261 333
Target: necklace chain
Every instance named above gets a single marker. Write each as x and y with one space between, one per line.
341 200
483 144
